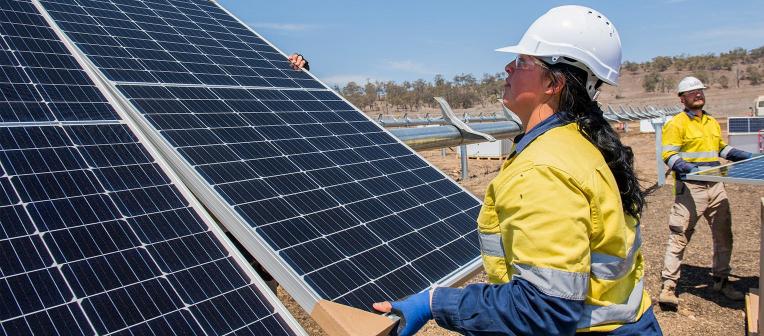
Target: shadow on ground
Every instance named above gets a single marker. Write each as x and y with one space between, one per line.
697 281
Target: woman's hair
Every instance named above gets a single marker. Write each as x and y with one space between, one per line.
594 127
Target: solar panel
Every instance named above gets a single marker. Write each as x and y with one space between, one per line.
329 202
749 171
745 124
96 238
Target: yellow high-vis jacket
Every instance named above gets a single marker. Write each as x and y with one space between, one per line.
694 140
553 217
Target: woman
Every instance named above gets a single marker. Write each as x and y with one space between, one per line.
559 226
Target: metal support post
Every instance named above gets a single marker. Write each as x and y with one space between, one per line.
658 126
466 131
463 151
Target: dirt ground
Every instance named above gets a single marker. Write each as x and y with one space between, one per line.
701 312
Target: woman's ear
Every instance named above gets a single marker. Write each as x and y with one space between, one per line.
556 83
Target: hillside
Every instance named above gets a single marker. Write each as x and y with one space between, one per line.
731 101
734 78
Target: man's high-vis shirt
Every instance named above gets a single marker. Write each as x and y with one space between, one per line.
690 141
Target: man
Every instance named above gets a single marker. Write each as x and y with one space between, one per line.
692 141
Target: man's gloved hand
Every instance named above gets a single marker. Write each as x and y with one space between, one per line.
694 169
414 312
736 155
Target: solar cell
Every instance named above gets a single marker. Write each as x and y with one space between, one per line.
750 171
315 189
757 124
96 238
737 125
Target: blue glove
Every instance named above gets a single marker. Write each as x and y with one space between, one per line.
738 155
414 312
694 169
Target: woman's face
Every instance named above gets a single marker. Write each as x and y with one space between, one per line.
525 86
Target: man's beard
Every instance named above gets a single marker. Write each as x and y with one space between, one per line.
697 105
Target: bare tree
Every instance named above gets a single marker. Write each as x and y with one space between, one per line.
370 95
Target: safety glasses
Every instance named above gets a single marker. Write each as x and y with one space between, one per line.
693 93
525 62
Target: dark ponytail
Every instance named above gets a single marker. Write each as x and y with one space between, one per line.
595 128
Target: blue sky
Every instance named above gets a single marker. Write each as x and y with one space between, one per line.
406 40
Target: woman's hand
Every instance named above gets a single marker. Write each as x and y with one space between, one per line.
414 312
298 62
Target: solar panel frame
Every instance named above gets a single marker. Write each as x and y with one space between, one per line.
122 119
284 273
750 171
745 125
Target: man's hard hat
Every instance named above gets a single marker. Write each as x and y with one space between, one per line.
575 35
689 83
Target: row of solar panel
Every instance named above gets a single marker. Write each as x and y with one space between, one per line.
351 214
310 147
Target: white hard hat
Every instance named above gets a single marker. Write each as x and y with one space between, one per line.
586 37
689 83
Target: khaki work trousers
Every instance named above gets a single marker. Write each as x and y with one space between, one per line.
694 199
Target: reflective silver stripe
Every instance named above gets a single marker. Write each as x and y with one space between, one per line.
671 148
491 245
566 285
699 155
614 313
608 267
672 161
725 151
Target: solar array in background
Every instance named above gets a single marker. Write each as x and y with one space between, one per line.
745 172
353 212
95 239
745 124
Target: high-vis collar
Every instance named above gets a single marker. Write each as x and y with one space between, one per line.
692 114
523 140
